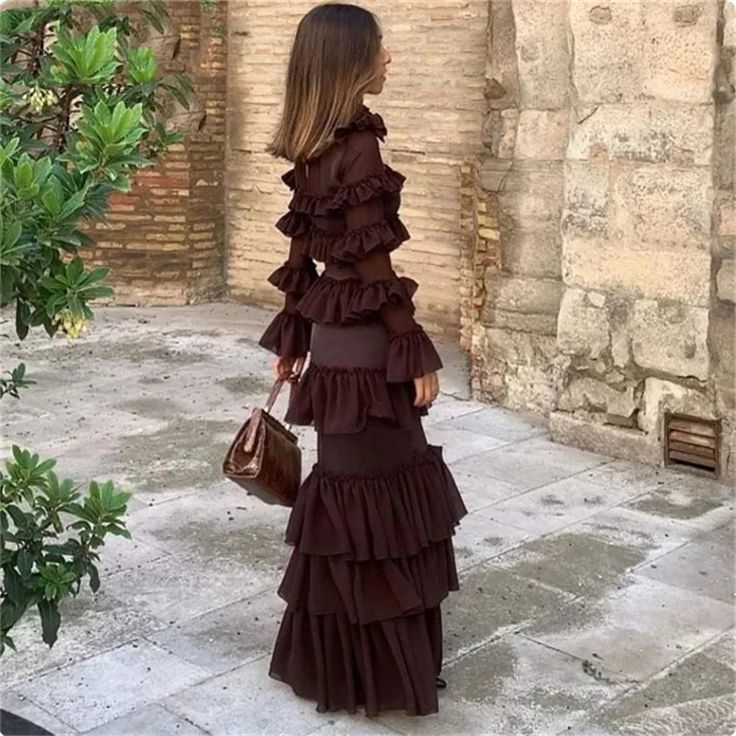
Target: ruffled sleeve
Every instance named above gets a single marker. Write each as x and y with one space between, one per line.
365 180
289 333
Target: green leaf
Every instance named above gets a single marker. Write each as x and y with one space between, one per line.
20 519
53 196
75 270
41 172
7 151
21 322
141 65
50 620
94 578
25 563
24 173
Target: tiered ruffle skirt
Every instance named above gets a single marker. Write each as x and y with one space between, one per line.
372 531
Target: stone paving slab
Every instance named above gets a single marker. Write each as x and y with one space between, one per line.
185 524
245 700
621 473
490 603
458 443
478 539
555 505
178 587
120 553
531 463
354 725
634 631
479 491
704 565
227 637
697 695
588 557
148 720
693 500
21 706
91 622
513 686
102 687
501 424
445 408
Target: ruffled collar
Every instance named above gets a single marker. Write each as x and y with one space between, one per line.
364 119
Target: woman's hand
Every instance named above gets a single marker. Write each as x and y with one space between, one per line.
288 369
427 388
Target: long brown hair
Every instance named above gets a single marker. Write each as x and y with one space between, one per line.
332 63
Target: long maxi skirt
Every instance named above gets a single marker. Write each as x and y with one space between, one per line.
373 557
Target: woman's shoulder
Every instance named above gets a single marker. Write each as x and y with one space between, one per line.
359 144
355 143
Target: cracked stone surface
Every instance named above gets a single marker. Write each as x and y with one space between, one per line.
596 595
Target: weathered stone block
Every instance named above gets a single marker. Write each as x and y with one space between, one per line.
582 328
722 341
613 441
532 199
596 396
535 253
619 268
608 40
620 347
530 296
493 174
542 135
644 132
585 199
541 54
729 25
727 216
726 288
505 142
663 396
501 71
539 324
671 338
670 208
679 56
724 157
518 348
533 387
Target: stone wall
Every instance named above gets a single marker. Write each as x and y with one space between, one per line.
610 140
164 243
433 106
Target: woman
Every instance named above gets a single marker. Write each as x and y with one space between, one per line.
373 522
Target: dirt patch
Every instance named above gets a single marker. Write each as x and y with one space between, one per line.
186 453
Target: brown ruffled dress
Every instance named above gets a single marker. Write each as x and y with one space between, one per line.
373 523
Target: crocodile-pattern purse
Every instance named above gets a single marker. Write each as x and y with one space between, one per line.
264 457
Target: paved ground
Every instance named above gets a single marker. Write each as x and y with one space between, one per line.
596 594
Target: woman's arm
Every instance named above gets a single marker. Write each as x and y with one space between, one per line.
289 334
411 353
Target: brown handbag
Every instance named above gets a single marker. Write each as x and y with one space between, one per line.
264 457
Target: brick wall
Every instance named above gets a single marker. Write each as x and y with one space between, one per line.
433 106
164 243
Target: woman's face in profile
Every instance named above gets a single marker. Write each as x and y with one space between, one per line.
382 61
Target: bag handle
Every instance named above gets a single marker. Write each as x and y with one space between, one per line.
276 388
250 435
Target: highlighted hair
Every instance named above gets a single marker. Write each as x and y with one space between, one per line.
332 64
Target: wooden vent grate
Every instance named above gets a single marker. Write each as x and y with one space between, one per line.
692 442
